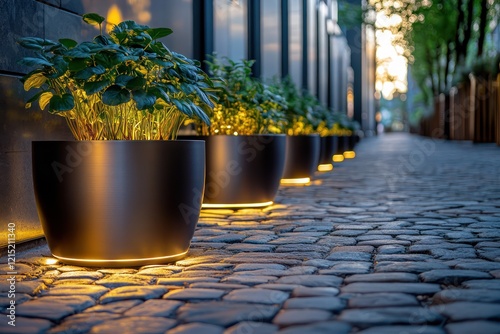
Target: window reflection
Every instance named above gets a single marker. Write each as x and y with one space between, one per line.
311 46
230 29
271 38
177 15
295 41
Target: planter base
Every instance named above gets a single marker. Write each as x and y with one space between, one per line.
325 167
236 205
122 262
298 180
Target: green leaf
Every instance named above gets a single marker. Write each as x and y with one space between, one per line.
77 64
93 19
61 103
122 80
160 93
69 43
156 33
31 61
144 100
78 53
203 97
115 95
200 113
88 72
136 83
182 108
93 87
35 43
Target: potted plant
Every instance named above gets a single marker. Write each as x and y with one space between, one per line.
328 140
345 129
124 193
245 150
303 143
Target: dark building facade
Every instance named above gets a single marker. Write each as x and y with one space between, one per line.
285 37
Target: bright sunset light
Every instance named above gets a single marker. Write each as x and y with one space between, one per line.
392 65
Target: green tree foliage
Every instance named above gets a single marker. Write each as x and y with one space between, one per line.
440 37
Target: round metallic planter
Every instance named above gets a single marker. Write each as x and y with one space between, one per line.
302 156
328 147
243 171
118 203
342 146
351 142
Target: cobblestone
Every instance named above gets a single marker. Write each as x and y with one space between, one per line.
382 299
405 238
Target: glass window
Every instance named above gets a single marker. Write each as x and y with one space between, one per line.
177 15
311 46
295 41
230 29
271 38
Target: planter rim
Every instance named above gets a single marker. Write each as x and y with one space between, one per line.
309 135
223 135
116 141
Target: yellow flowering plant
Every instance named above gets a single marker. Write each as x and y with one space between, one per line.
125 86
245 105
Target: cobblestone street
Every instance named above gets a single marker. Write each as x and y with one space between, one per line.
405 238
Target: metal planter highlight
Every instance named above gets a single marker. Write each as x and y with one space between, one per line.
118 203
328 147
243 171
302 156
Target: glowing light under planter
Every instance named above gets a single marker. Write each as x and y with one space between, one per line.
301 180
50 261
240 205
325 167
338 158
124 261
349 154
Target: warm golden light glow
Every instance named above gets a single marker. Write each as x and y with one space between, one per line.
50 261
62 258
113 17
238 205
325 167
338 158
300 180
349 154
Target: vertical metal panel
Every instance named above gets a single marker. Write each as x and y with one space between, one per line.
254 51
203 30
305 41
284 38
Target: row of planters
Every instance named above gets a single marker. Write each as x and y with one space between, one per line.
127 194
471 110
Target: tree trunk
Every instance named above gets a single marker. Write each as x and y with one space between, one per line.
447 83
458 42
483 18
468 28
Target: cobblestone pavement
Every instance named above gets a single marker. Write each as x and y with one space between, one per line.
402 239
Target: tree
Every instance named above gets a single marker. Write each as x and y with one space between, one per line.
438 37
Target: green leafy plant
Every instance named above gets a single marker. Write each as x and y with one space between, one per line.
301 113
127 85
245 105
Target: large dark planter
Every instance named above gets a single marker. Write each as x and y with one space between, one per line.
118 203
343 145
243 171
328 147
302 156
351 142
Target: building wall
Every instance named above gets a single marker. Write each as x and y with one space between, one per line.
200 27
53 19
